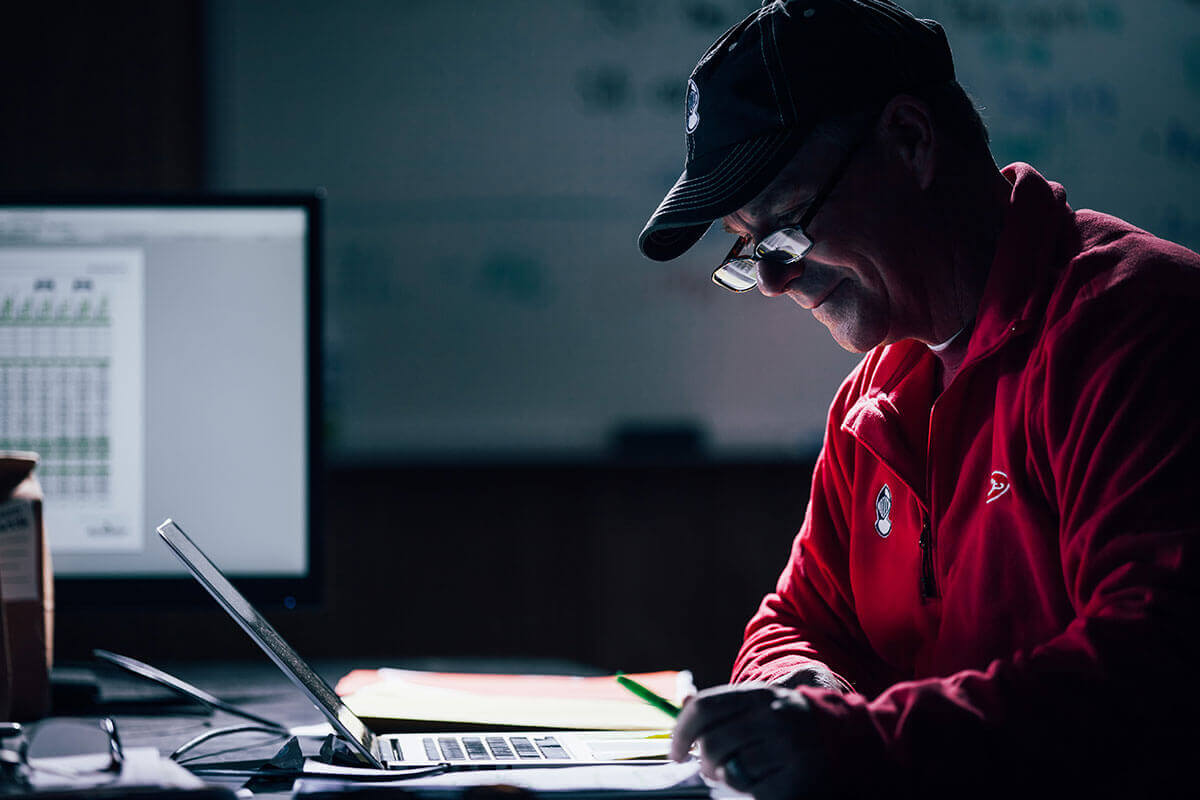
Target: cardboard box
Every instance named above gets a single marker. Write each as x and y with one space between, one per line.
27 591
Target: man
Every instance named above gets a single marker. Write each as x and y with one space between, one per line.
995 588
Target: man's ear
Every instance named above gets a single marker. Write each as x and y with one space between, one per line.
906 127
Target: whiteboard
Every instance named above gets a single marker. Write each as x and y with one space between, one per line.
490 164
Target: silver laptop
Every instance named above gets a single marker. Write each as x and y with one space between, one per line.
404 750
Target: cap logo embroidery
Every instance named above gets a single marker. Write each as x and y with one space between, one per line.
883 512
1000 486
693 107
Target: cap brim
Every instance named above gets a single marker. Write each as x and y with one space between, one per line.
713 187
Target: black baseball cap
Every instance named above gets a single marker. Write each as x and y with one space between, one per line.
765 84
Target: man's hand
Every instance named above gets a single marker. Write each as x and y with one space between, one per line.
755 737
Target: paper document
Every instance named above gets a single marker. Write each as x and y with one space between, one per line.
578 782
72 384
143 766
394 700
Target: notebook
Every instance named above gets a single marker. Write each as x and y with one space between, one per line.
465 750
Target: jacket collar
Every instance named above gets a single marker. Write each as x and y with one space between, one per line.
891 418
1026 260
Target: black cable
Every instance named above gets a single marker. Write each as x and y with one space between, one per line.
204 737
219 771
392 774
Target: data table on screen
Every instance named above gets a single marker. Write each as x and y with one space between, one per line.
72 383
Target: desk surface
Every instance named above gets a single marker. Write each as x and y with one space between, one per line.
150 715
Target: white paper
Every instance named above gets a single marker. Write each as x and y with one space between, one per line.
143 766
579 778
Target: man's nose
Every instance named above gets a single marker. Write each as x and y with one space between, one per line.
774 274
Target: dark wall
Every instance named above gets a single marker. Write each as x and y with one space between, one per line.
102 96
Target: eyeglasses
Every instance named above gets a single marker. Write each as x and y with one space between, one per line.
738 272
63 748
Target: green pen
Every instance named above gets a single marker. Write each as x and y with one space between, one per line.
661 703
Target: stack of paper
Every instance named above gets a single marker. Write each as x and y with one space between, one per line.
395 700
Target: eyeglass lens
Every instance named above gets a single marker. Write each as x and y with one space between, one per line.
741 274
74 745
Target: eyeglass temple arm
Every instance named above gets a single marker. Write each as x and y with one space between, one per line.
179 686
737 248
829 185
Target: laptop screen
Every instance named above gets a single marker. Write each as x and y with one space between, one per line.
322 695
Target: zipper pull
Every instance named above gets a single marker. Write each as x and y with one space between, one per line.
928 586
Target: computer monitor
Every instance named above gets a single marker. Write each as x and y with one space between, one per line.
162 356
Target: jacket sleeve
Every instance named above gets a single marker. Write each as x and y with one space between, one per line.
809 622
1106 707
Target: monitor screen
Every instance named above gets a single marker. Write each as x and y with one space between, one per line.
162 359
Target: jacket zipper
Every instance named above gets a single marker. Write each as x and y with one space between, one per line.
928 585
927 581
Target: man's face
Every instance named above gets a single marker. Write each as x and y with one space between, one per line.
852 279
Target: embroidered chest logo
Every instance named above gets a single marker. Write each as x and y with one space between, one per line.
1000 486
883 512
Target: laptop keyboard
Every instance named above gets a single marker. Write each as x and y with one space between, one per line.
488 748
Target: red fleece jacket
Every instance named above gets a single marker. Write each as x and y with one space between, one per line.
1010 576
